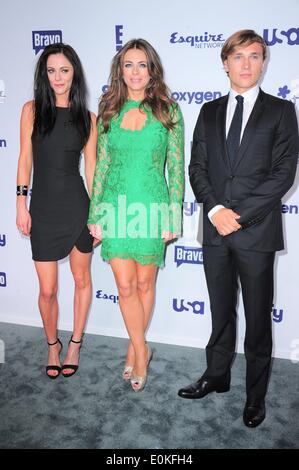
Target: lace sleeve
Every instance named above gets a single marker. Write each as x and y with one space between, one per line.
175 168
100 174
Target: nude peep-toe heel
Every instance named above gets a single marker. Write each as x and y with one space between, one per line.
127 372
138 381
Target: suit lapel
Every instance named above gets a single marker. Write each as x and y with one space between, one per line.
250 128
220 126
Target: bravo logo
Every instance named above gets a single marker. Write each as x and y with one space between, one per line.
185 254
41 39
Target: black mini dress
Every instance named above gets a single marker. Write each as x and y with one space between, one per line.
59 202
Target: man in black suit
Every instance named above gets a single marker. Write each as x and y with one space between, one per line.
243 160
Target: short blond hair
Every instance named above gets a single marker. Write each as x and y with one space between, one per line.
244 37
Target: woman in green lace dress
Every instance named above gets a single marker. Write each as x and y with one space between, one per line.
133 210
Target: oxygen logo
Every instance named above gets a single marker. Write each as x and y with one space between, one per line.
41 39
197 97
290 37
118 36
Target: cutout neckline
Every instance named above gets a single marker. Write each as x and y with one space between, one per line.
128 128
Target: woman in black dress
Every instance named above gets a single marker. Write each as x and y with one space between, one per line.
55 128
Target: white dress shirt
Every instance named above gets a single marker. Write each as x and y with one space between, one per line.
250 97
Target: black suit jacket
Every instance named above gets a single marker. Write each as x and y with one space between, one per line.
262 173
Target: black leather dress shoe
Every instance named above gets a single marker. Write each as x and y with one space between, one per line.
202 387
254 414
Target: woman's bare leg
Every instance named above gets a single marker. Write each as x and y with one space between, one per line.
80 267
48 307
125 273
146 287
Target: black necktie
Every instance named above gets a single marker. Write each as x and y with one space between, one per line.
234 133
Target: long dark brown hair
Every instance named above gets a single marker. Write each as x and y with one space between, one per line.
157 94
44 96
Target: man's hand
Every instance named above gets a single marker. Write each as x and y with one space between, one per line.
225 221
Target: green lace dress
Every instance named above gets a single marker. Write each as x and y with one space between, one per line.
131 200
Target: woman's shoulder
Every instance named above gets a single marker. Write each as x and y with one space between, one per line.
28 108
93 118
27 114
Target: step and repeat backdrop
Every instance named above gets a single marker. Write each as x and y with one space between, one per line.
188 37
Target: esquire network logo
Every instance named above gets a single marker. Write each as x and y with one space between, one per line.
41 39
101 295
204 40
2 280
187 255
274 36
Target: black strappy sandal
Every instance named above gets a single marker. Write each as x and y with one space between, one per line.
57 368
72 366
